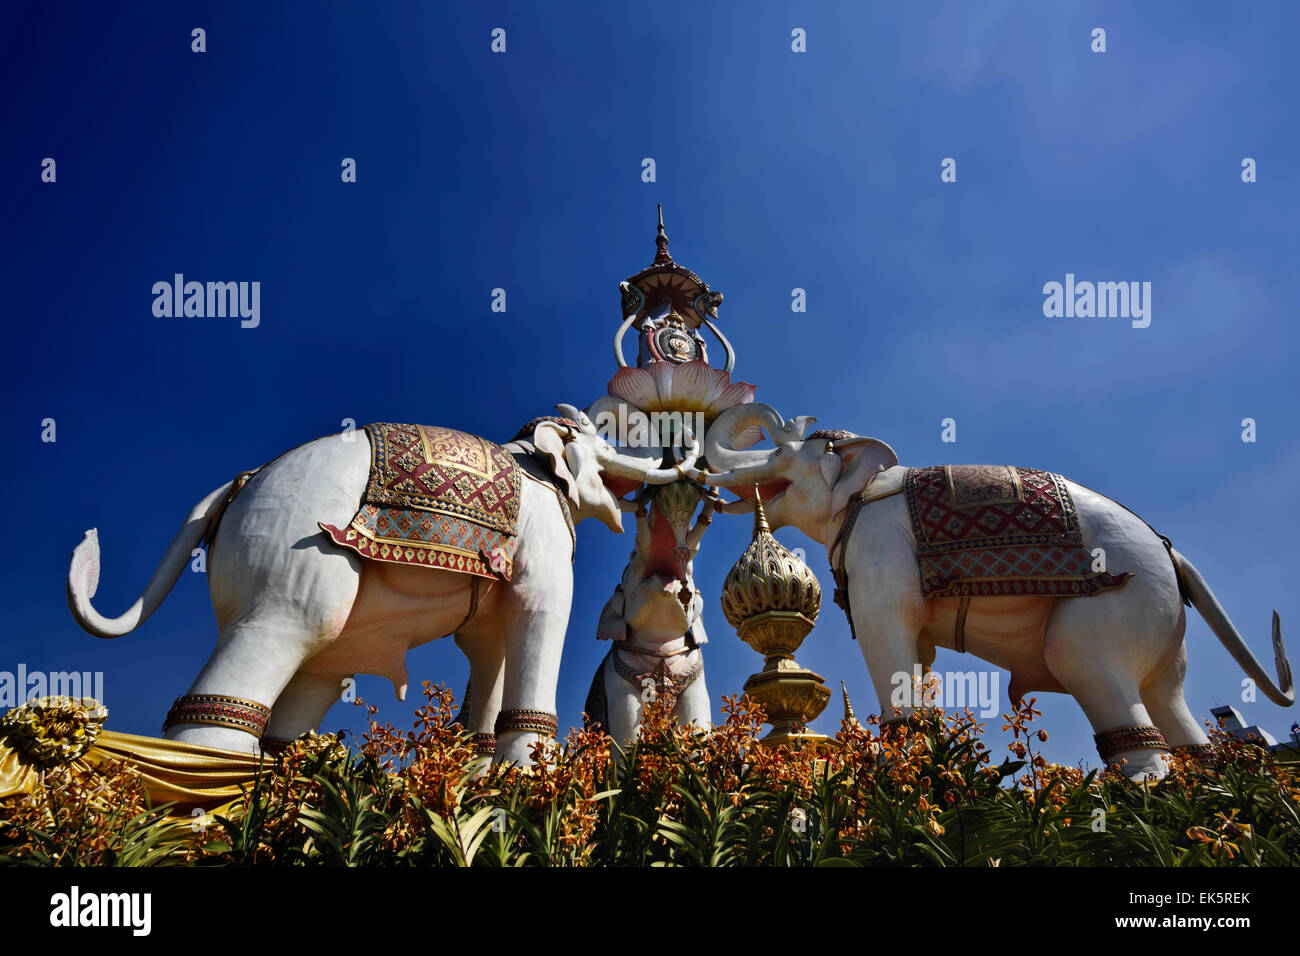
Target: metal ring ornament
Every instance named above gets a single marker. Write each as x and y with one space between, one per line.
529 721
1112 743
219 710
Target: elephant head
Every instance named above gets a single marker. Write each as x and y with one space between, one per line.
594 475
646 608
656 602
805 480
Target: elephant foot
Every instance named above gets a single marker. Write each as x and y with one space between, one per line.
516 732
516 749
1140 752
218 738
217 720
1143 764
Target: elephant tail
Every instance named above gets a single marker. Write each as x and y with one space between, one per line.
1202 598
83 574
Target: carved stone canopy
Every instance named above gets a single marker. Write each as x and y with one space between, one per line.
663 280
667 304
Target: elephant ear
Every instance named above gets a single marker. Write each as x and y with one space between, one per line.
611 626
550 438
862 458
588 480
697 629
577 467
831 465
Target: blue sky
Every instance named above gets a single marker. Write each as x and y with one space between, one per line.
522 170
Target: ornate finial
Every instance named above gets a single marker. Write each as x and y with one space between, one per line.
849 716
760 518
769 577
772 599
662 255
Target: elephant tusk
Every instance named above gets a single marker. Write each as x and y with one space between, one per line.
663 476
618 340
741 506
731 353
710 479
638 302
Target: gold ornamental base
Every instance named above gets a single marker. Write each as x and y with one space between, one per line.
791 696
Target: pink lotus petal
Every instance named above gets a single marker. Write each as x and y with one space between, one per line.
635 385
689 387
736 393
692 382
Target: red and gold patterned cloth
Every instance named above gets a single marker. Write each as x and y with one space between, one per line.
438 498
989 530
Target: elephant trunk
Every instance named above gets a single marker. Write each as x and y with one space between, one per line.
630 466
737 427
757 473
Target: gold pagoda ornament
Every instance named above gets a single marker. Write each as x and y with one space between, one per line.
772 600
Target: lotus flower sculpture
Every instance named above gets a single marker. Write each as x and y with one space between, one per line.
688 387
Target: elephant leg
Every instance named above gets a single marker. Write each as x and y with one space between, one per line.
281 592
1168 708
623 704
694 707
303 703
888 629
302 610
890 649
486 651
1102 676
889 610
533 617
534 642
254 661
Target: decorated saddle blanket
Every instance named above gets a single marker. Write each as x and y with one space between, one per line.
990 530
438 498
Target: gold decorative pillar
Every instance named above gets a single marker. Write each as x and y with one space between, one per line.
772 600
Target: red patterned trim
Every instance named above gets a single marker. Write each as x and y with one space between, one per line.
831 434
218 710
444 542
485 745
665 683
530 426
437 498
985 531
1112 743
532 721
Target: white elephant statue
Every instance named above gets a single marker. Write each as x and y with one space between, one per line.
314 573
1103 621
655 619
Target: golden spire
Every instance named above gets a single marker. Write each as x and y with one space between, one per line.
662 255
760 518
850 717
